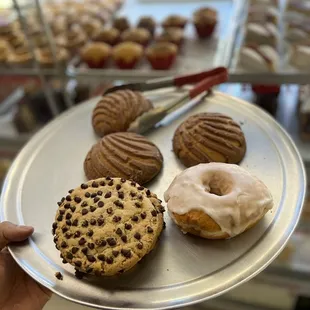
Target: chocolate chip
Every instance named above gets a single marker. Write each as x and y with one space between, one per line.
109 210
148 193
118 187
54 225
111 241
59 217
84 250
100 221
74 250
91 258
102 183
135 218
75 222
93 208
68 222
55 239
138 205
84 204
109 260
79 275
123 180
93 222
132 194
62 212
103 243
93 195
59 203
78 263
119 231
99 193
111 183
128 226
140 246
140 188
64 229
154 213
85 223
62 199
115 253
84 211
59 276
143 215
137 236
90 233
68 198
116 218
87 194
82 241
95 184
124 238
77 199
89 269
77 234
91 246
68 235
140 197
100 204
161 209
119 204
133 183
72 208
101 257
63 244
96 199
126 253
69 255
121 195
84 186
108 178
108 195
68 216
70 191
150 229
67 206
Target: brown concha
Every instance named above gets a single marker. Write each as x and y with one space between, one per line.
125 155
209 137
117 110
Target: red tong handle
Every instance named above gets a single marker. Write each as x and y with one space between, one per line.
197 77
220 75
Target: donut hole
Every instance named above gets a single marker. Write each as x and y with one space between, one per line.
215 190
218 185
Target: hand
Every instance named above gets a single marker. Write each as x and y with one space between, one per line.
17 290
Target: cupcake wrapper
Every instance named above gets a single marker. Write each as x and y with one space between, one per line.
204 31
96 64
126 65
162 63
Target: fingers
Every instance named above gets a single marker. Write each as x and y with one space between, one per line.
12 233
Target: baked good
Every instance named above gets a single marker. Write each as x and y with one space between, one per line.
173 35
4 52
262 14
261 34
300 56
259 58
161 55
109 36
217 201
125 155
20 58
174 21
298 6
208 137
107 118
126 55
205 21
148 23
121 23
298 32
106 226
90 25
95 54
45 57
137 35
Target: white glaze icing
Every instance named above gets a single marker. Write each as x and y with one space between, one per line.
244 197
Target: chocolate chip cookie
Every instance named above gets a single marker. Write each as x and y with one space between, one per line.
104 227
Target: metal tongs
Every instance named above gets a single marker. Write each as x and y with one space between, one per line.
206 80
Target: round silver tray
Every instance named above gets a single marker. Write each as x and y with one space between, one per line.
182 270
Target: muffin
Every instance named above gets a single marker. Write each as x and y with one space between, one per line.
109 36
91 26
174 21
161 55
20 58
96 54
148 23
173 35
121 23
205 20
137 35
45 57
126 55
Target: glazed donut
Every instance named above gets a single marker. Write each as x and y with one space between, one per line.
217 200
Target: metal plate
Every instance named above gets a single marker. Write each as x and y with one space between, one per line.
182 269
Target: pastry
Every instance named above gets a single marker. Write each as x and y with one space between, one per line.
117 110
298 32
300 56
20 58
137 35
109 36
121 23
106 226
90 25
208 137
124 155
205 20
126 55
262 15
162 55
266 34
148 23
173 35
174 21
217 201
45 57
298 6
95 54
261 58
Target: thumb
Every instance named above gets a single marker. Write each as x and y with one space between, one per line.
12 233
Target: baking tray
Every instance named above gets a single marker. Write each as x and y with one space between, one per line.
196 55
182 270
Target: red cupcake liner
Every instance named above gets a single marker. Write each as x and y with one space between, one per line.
161 62
96 64
204 31
125 65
